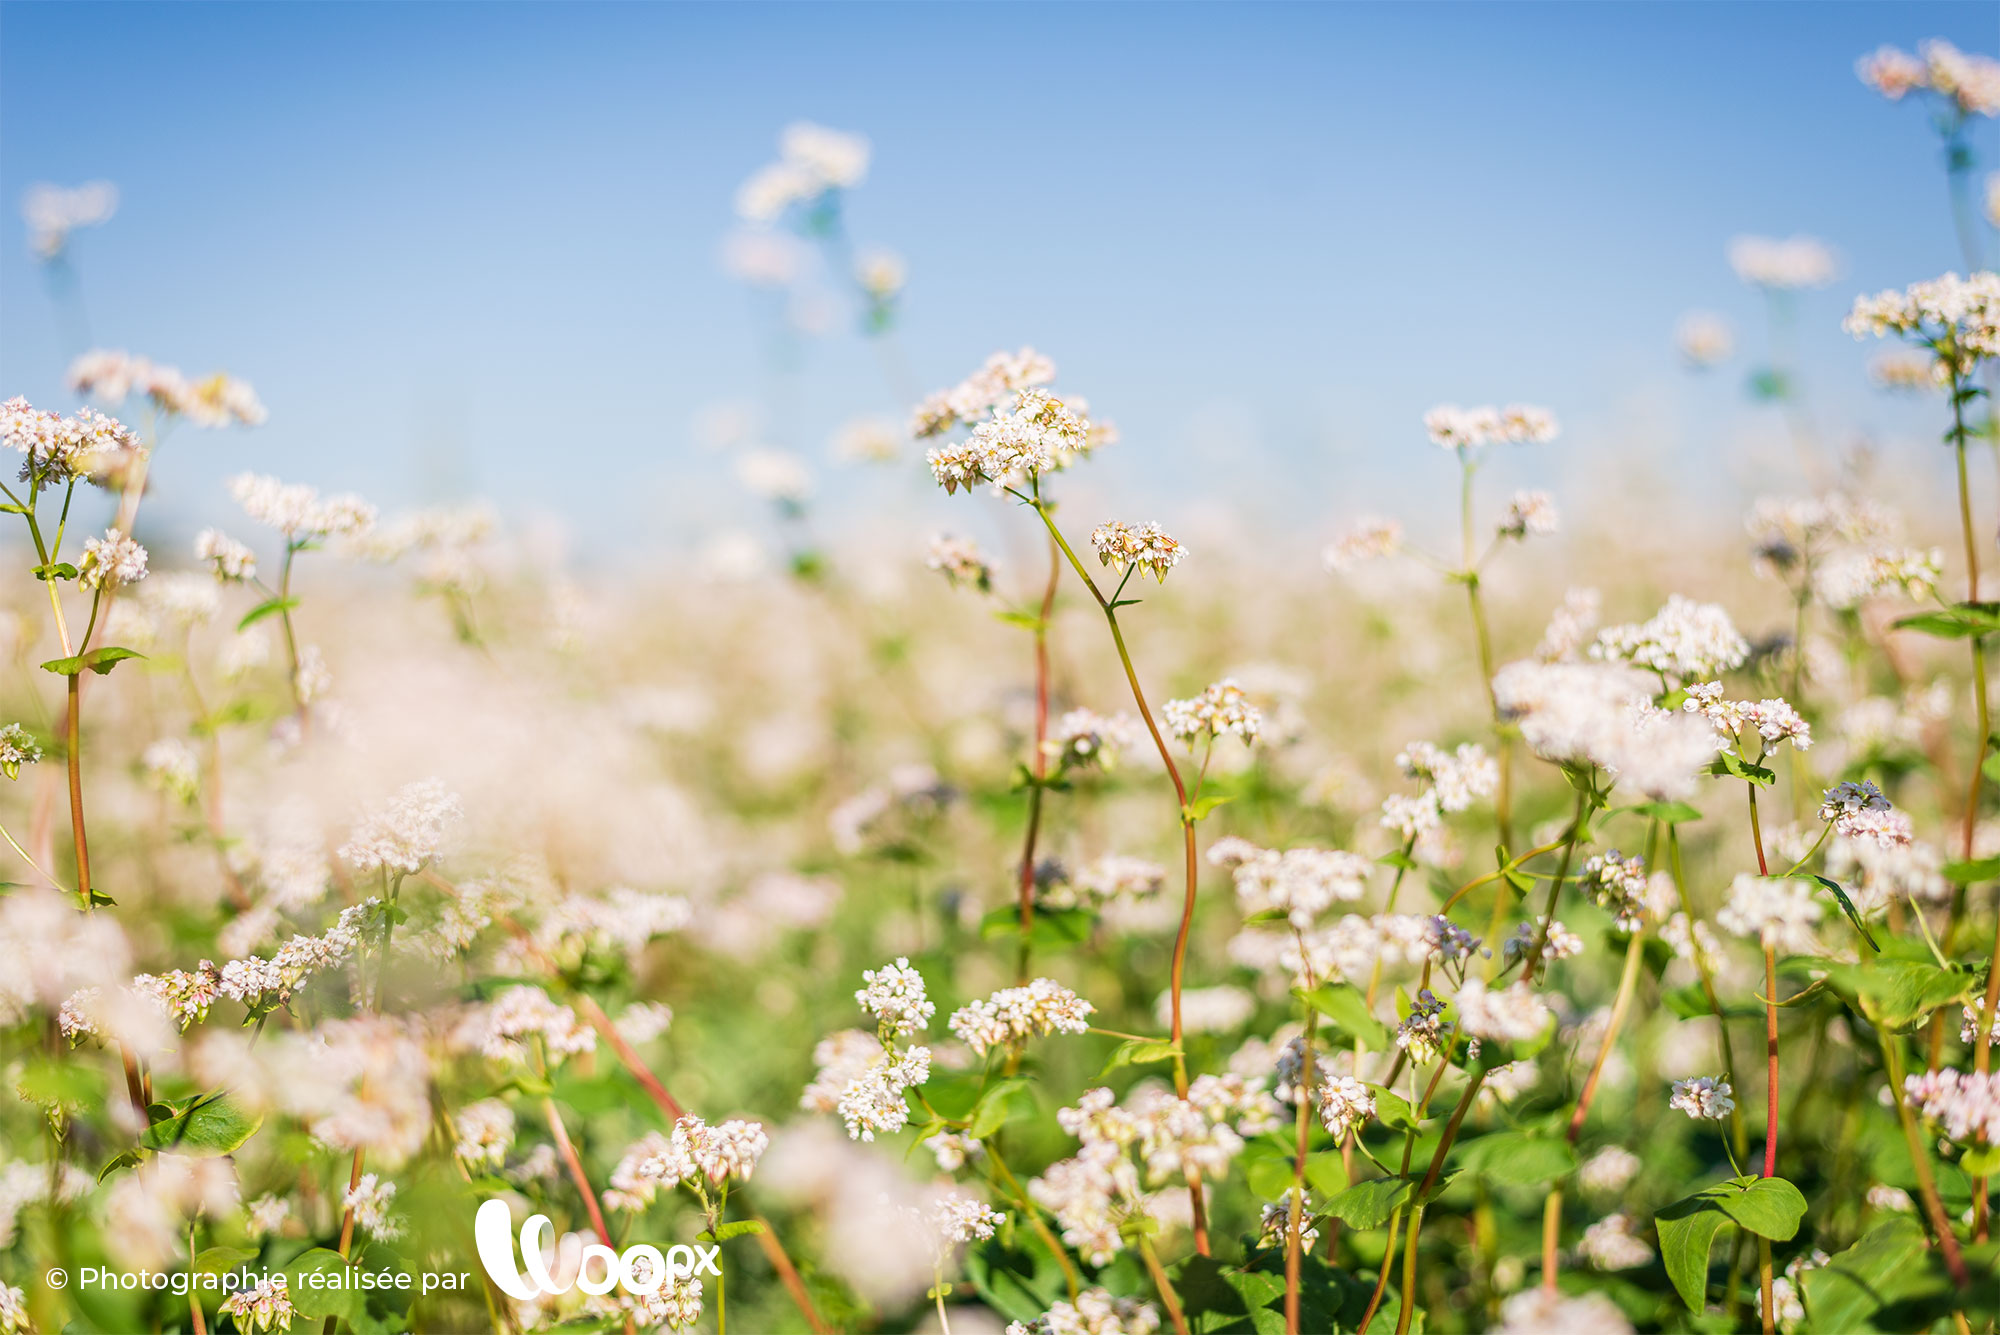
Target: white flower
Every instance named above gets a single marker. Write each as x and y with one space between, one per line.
894 995
1513 1013
1704 339
1456 428
406 833
231 559
1529 512
1965 1104
1610 1244
960 561
1779 911
17 748
264 1306
369 1201
1609 1170
1121 545
1460 777
1684 640
964 1219
1795 262
1370 539
1703 1098
298 511
1015 1014
111 561
1221 710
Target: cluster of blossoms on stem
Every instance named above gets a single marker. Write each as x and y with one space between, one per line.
1782 264
1036 434
1015 1014
1274 1224
1301 883
483 1132
1704 1098
1529 512
727 1151
265 1305
1114 878
17 748
1004 375
370 1201
1968 1028
1221 710
960 561
1969 82
1148 546
521 1019
958 1219
1424 1033
57 449
112 376
1611 1244
406 833
1558 941
895 996
812 161
1957 319
1859 811
1511 1014
1345 1104
298 511
52 212
1683 641
1458 777
1609 1171
1773 720
1602 714
863 1076
1370 539
1095 1312
231 561
1779 911
1456 428
1965 1104
111 561
1618 884
1082 737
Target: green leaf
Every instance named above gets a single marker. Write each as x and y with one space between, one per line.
1006 1100
222 1260
64 667
1369 1204
734 1229
269 607
1394 1111
1517 1159
1729 764
1397 858
1965 873
311 1281
1990 766
1199 808
1770 1207
1668 813
1140 1052
129 1159
1842 1294
1347 1008
1847 907
1019 1281
101 661
1957 622
1025 620
59 570
1687 1230
1053 929
206 1128
1903 990
47 1081
1980 1163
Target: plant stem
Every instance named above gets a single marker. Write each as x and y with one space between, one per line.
1771 1061
1423 1195
1294 1222
1703 966
1940 1223
1628 983
575 1166
1038 761
1534 955
1164 1285
1382 1276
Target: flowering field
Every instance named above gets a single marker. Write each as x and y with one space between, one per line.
1479 935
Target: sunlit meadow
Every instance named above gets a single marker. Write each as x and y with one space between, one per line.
1490 926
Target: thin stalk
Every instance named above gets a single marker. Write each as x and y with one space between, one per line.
1164 1285
1423 1194
1764 1284
1382 1276
1628 983
575 1166
1038 761
1940 1223
1552 1217
1032 1214
1534 955
1295 1222
1738 1132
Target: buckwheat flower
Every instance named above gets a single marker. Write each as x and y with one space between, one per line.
232 561
724 1151
370 1200
1684 641
1116 877
1412 817
1703 339
1903 372
1536 1311
1300 882
1915 573
1514 1013
953 1151
1004 375
170 765
873 1100
1957 319
775 475
1968 1029
1372 538
1529 512
1892 72
1221 710
111 561
1794 262
1570 627
838 1058
1617 884
1424 1033
1609 1171
1344 1104
1965 1104
1704 1098
1121 545
1016 1014
406 833
894 995
267 1215
1036 435
1882 1196
867 440
837 159
1083 737
1456 428
52 212
1779 911
960 561
644 1021
1685 939
676 1304
1460 777
964 1219
1095 1312
58 450
1860 811
17 748
264 1306
1610 1244
1274 1226
299 511
881 273
1970 81
1208 1010
1562 942
504 1029
484 1133
184 995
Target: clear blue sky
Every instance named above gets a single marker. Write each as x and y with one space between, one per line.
473 248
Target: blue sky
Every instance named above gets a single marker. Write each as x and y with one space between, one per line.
471 248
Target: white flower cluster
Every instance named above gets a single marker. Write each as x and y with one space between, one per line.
1302 883
1084 737
1529 512
1221 710
1773 720
370 1200
1971 83
230 559
812 160
1459 777
52 212
1345 1104
1603 715
1561 944
1148 546
1781 265
1424 1033
1683 641
1368 540
483 1132
503 1029
299 511
1704 1098
894 995
1609 1171
725 1151
1704 339
58 449
960 561
1456 428
1512 1014
1848 579
17 748
265 1305
406 833
1860 812
1966 1104
1037 434
1016 1014
112 376
1004 375
1779 911
1095 1312
256 981
111 561
1958 319
964 1219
